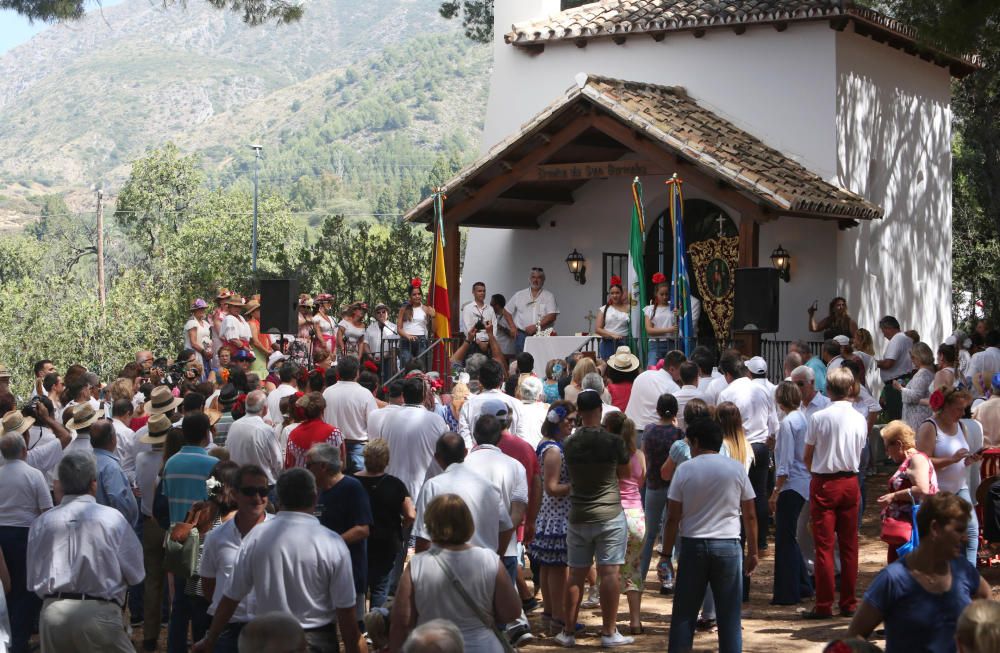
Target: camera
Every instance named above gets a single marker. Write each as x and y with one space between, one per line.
479 325
30 410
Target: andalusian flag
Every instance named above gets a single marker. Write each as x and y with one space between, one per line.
636 272
680 283
439 287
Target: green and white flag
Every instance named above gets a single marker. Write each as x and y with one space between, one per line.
637 273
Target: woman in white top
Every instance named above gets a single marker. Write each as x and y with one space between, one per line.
659 320
411 323
351 331
918 387
613 320
324 326
943 439
198 332
235 330
430 589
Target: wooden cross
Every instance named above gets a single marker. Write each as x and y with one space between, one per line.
590 317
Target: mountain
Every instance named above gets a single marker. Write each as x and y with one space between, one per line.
355 106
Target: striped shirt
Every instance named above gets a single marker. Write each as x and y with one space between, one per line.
184 479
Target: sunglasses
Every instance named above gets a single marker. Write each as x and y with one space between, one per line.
251 491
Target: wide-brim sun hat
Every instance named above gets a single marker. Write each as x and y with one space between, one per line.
161 401
197 305
623 360
251 306
83 416
235 300
16 422
159 426
224 293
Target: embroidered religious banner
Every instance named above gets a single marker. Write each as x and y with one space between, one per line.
714 267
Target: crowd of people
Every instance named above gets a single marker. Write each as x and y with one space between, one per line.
265 494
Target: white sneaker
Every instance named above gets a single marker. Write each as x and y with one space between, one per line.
616 639
593 599
565 640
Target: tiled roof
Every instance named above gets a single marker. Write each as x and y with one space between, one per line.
620 18
669 116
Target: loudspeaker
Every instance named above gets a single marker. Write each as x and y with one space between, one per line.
278 305
756 299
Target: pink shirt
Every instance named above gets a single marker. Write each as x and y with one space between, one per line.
629 487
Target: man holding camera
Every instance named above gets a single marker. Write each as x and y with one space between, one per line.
477 314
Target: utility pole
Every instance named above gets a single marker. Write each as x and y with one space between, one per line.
253 241
100 246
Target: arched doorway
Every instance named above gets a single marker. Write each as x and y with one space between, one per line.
701 222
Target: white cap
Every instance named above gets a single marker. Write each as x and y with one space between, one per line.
273 359
757 365
843 341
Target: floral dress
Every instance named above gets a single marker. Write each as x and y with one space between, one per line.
901 481
549 545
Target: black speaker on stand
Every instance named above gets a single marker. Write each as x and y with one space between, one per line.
279 305
756 300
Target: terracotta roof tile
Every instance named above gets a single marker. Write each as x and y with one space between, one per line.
669 116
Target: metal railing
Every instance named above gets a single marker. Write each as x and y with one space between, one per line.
436 353
774 352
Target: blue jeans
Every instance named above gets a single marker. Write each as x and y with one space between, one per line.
609 346
379 579
355 457
408 349
791 580
708 563
654 505
657 350
519 341
23 605
180 618
972 530
397 567
228 641
510 564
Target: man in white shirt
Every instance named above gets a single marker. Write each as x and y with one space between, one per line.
831 354
494 526
812 401
702 357
835 441
688 391
379 416
287 374
312 583
532 307
45 448
82 557
121 414
252 441
147 469
491 378
731 361
222 545
348 406
708 494
984 364
477 310
895 365
24 495
760 421
508 476
988 414
84 416
646 391
379 330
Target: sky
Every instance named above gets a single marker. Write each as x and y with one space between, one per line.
15 30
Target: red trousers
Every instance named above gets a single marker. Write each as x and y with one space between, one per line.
833 508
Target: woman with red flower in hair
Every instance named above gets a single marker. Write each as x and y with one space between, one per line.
944 440
660 320
412 324
613 319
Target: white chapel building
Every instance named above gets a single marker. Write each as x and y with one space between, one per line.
818 125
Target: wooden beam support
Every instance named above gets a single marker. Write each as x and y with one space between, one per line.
839 23
534 49
696 174
749 243
781 25
452 271
458 213
547 195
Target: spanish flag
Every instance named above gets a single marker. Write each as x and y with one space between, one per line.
439 287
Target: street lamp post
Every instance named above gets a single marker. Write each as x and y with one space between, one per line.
253 239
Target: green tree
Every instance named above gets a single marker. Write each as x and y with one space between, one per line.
255 12
155 199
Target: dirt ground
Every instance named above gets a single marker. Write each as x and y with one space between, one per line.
766 628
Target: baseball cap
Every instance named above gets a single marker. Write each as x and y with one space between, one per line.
588 400
244 355
757 365
494 407
843 341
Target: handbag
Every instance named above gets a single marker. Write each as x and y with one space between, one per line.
487 619
896 532
182 542
914 540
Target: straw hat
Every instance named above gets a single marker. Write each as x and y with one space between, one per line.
158 426
16 422
224 293
197 305
623 360
235 300
83 416
213 416
161 401
251 306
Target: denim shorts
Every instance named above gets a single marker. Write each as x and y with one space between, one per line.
604 541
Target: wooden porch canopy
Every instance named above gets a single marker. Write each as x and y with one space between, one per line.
585 134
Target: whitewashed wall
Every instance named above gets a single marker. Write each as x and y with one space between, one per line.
894 147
